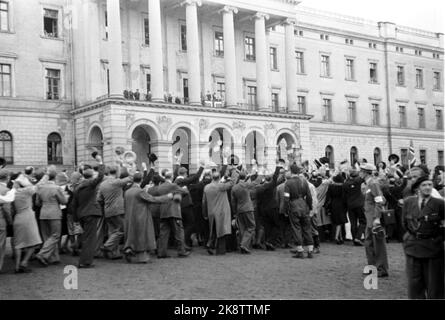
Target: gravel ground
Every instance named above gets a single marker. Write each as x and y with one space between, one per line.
336 273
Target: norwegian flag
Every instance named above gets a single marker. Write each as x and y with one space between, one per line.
411 154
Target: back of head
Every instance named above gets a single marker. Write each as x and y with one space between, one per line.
182 171
137 177
338 178
288 175
88 173
157 179
353 173
242 175
52 174
295 169
168 175
39 174
113 170
216 176
4 175
75 177
29 170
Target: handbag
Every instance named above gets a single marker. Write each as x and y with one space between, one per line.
389 216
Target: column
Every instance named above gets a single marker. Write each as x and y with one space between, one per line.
156 56
262 65
230 57
115 48
291 66
194 67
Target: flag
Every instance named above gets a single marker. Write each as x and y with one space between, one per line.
411 155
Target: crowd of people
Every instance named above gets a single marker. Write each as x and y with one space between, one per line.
117 211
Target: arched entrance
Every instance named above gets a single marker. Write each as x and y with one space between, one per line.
254 148
377 156
329 153
220 139
286 147
95 140
182 143
142 143
353 155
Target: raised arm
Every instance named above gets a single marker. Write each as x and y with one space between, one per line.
151 199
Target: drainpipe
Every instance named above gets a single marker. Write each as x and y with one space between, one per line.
73 101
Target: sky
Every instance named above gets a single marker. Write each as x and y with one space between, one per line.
425 14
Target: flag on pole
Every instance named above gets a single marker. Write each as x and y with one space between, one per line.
411 155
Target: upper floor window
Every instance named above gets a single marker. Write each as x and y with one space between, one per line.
373 72
349 41
436 80
324 37
298 32
327 110
50 23
419 78
350 69
219 44
4 16
439 120
249 48
422 156
221 90
418 52
6 147
183 37
146 32
400 75
302 104
353 155
399 49
352 112
375 114
436 55
300 61
106 24
251 96
53 84
402 116
440 157
54 150
421 114
273 58
325 67
275 102
372 45
5 80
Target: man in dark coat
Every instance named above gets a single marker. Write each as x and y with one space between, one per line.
355 201
88 211
423 218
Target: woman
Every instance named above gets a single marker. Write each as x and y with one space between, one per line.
26 231
336 205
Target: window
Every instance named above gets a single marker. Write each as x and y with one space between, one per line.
373 72
436 80
275 102
221 90
325 68
375 115
419 78
54 149
273 58
6 147
251 96
399 49
249 48
404 156
185 90
402 116
372 45
4 16
300 62
377 156
183 37
440 157
324 37
418 52
50 21
298 33
353 154
301 104
327 110
5 80
106 24
400 75
349 41
421 114
148 82
219 44
146 32
329 153
53 84
350 69
439 120
352 112
422 156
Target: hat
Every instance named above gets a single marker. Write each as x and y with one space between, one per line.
367 167
182 171
324 160
384 164
4 174
418 182
393 156
152 157
318 164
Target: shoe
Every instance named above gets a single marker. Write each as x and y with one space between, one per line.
339 242
210 251
310 255
184 254
85 266
244 250
41 260
117 257
270 247
164 257
187 248
316 250
299 255
358 243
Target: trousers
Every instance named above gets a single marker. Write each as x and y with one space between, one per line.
246 226
425 277
375 247
188 220
358 222
301 228
2 246
51 232
88 238
175 226
115 228
272 225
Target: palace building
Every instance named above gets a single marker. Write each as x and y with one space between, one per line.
259 79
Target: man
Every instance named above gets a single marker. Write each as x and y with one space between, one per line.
88 211
244 214
216 208
355 202
49 196
285 231
139 231
137 95
5 214
171 218
298 204
375 238
313 216
423 218
414 174
111 198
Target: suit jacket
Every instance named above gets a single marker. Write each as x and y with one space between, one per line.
425 235
374 201
111 196
171 209
5 209
241 201
85 197
296 188
266 193
353 193
49 196
185 182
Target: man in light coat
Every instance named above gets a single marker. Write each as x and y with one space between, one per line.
5 214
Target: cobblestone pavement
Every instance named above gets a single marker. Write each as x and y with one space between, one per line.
334 274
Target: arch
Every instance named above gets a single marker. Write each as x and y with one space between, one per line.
377 155
329 153
95 139
289 132
54 148
285 142
183 124
6 147
353 155
184 140
219 139
152 127
142 137
254 146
